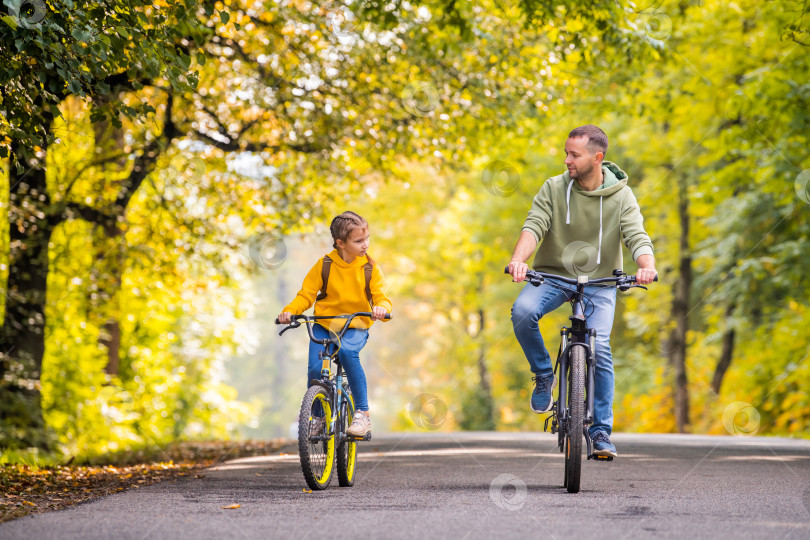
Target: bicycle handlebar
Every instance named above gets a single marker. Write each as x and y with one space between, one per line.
294 323
623 282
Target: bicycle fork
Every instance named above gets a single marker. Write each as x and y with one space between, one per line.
559 413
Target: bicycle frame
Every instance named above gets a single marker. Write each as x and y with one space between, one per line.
578 334
337 388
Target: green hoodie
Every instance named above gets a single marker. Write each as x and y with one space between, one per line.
581 231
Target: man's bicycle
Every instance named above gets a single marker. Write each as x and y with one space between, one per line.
326 411
576 361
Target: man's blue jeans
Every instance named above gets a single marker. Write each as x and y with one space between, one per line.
349 355
534 302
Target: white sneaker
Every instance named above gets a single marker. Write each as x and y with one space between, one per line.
361 424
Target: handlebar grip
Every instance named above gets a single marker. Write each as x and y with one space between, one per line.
277 321
388 317
506 269
633 278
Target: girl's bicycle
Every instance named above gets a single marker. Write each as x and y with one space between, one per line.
326 411
576 361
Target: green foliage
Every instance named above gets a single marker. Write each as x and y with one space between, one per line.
439 125
87 49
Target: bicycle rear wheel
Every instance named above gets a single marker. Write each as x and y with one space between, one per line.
316 450
574 431
347 450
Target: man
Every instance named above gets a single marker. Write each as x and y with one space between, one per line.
580 219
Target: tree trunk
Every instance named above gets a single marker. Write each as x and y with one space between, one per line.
109 248
726 355
680 314
483 375
23 334
32 220
105 301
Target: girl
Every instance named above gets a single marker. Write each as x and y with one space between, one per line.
353 283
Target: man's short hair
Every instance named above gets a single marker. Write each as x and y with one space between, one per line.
597 140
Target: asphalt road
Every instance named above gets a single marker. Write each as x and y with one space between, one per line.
472 485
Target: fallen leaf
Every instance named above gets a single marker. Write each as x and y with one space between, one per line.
305 490
231 507
257 474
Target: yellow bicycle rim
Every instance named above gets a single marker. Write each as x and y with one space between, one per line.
351 448
330 446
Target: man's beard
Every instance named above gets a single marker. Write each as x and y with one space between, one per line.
580 174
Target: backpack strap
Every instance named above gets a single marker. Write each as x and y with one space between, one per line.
327 266
367 269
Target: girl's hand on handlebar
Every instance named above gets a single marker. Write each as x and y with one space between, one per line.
518 270
378 313
285 317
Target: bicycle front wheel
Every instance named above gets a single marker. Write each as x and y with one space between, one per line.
347 449
316 447
575 430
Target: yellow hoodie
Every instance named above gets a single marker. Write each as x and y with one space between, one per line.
346 291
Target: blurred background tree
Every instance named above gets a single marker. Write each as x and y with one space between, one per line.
171 170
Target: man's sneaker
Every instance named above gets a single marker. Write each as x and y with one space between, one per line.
316 426
602 445
541 397
361 424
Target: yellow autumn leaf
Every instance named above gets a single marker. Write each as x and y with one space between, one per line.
231 507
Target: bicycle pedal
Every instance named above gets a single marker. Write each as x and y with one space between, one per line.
600 458
366 437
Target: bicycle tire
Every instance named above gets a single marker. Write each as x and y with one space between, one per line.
574 432
347 449
318 456
565 476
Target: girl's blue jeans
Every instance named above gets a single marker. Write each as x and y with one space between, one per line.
534 302
349 355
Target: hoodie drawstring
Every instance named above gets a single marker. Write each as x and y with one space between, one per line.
568 203
599 252
568 219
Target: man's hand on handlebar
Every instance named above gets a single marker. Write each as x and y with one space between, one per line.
517 270
378 313
284 317
645 276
